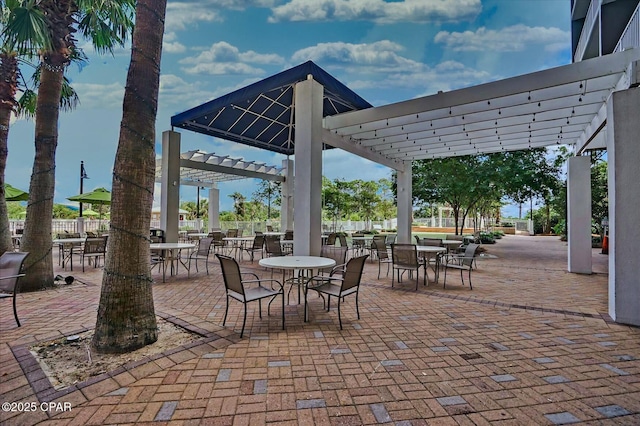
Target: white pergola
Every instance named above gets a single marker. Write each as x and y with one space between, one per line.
201 169
569 105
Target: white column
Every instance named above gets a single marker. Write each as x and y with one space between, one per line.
80 223
405 204
307 192
170 185
214 208
579 214
286 196
623 154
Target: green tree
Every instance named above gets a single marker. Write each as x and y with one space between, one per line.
60 211
459 182
599 195
366 199
268 192
238 205
126 318
48 27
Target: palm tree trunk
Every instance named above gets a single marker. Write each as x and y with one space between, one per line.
8 88
38 227
126 317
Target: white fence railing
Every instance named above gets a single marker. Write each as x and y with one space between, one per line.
587 29
631 36
249 228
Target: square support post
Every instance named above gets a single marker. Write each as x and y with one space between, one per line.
308 168
623 152
286 198
579 214
405 203
214 209
170 185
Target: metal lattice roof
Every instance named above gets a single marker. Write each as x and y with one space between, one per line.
199 168
262 114
564 105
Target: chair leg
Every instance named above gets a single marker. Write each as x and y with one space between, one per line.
357 308
226 310
339 317
470 286
260 308
15 312
244 320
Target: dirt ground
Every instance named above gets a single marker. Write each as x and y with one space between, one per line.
68 361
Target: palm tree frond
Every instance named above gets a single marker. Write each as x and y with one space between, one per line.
27 104
26 30
107 24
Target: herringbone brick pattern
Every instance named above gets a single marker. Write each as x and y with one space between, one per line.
530 344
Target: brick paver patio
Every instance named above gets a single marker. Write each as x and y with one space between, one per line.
531 344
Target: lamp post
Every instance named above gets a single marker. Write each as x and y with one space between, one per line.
83 176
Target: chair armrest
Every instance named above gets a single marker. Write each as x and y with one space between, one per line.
260 281
338 269
12 276
252 274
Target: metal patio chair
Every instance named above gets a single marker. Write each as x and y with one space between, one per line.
241 290
10 273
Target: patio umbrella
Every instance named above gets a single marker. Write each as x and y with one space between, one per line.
97 196
89 212
14 194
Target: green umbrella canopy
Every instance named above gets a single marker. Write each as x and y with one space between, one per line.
14 194
97 196
89 212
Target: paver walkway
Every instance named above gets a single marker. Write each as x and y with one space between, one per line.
531 344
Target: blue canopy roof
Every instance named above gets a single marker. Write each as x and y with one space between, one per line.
261 114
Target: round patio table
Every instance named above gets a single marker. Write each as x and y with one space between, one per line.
428 252
174 249
304 263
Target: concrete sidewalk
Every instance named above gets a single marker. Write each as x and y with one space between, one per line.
530 344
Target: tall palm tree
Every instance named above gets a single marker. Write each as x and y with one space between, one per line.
8 88
106 23
126 317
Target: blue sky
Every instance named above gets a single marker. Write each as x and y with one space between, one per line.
386 51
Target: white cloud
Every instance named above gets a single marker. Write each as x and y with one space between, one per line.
515 38
379 11
222 58
170 43
380 65
381 56
95 95
181 16
176 91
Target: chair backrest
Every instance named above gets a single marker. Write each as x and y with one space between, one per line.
272 245
378 240
231 274
469 253
437 242
331 239
216 235
258 242
11 265
454 237
353 272
339 254
390 239
343 239
288 234
404 255
204 245
269 228
232 233
96 245
381 249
